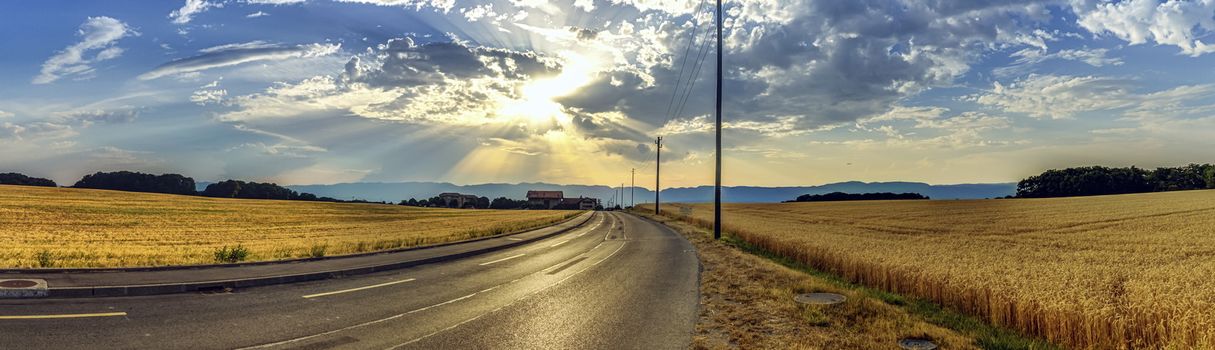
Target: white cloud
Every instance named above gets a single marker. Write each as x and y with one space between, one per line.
187 11
257 14
443 5
235 54
97 33
4 114
1028 57
208 94
1057 97
275 2
1179 23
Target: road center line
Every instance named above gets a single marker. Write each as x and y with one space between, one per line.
502 259
310 296
33 317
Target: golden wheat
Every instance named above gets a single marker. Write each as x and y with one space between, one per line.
92 228
1111 272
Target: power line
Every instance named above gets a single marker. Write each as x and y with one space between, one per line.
684 62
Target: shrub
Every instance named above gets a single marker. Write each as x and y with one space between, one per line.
235 254
45 259
317 251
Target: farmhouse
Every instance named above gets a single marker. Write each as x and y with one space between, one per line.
544 199
557 200
456 200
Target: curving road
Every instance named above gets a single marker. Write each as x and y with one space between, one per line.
617 282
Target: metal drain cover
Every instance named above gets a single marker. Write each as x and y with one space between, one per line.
917 344
820 298
23 288
17 284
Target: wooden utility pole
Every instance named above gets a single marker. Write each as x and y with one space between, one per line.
658 175
717 183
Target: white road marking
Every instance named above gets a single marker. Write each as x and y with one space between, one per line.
34 317
310 296
474 318
364 324
515 239
502 259
559 243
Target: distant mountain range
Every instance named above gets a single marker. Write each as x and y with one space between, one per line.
397 191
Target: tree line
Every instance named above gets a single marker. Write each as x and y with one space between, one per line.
173 184
1099 180
22 180
841 196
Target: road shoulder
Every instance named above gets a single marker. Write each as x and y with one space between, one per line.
747 303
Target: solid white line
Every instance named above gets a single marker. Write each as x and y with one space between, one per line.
310 296
502 259
33 317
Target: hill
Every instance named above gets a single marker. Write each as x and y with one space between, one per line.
394 192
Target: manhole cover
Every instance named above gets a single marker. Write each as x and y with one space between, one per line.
917 344
820 298
17 284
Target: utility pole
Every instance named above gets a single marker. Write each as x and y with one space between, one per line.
717 183
632 187
658 175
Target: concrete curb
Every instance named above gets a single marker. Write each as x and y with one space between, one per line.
186 287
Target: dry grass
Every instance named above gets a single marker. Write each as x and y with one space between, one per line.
1111 272
747 303
91 228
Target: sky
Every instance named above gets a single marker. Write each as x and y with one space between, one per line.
574 92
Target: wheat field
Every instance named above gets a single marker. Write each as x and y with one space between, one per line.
63 227
1110 272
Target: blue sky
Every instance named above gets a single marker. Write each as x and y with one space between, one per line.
326 91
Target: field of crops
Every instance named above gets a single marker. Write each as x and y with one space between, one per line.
1109 272
53 227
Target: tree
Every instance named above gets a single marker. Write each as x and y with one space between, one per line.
482 203
22 180
1096 180
138 182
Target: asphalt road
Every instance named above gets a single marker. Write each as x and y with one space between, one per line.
618 282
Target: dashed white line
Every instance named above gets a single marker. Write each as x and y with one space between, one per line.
559 243
501 260
474 318
310 296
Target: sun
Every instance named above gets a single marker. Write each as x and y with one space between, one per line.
537 98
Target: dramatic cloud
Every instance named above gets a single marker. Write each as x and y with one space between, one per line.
1180 23
234 54
187 11
446 83
97 34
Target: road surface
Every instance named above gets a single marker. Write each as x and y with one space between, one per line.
617 282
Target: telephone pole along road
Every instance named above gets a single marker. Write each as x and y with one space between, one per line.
616 282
